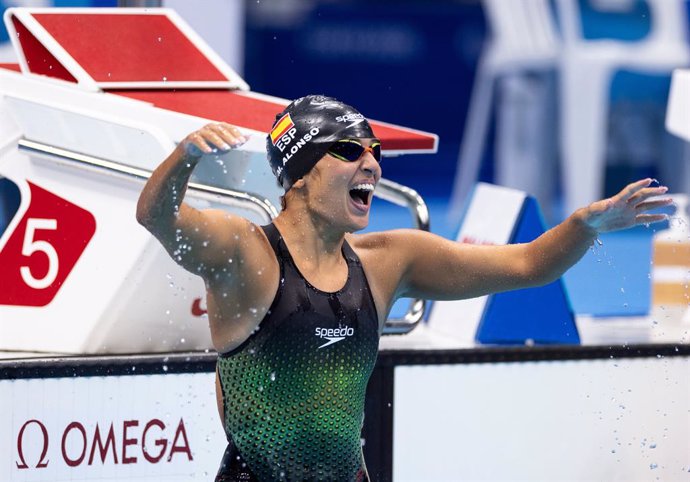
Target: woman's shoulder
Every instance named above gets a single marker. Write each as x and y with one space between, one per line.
385 240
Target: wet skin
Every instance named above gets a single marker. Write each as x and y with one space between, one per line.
241 273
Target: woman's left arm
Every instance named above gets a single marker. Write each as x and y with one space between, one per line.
436 268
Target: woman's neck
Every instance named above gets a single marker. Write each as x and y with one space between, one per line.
310 236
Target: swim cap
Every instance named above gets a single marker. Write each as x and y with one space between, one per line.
302 134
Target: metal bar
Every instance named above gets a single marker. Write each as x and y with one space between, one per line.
409 198
245 200
405 197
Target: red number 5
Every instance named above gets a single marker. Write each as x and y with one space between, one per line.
43 249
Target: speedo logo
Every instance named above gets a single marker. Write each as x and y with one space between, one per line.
349 117
354 119
333 335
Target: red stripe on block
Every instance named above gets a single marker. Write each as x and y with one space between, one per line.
394 138
38 58
129 47
14 67
259 114
217 105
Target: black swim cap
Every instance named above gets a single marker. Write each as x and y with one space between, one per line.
302 134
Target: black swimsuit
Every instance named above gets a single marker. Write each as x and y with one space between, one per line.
293 393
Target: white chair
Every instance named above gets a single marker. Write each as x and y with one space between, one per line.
587 67
523 39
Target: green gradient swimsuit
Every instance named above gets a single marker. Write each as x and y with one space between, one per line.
293 393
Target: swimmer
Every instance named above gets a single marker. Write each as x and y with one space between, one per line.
296 308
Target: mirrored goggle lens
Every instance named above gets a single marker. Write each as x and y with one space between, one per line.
350 150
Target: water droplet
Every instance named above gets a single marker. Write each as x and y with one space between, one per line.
652 446
182 340
273 376
160 39
165 368
165 79
653 466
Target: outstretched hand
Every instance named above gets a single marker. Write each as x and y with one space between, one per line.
219 136
628 208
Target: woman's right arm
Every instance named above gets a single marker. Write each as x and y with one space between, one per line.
195 239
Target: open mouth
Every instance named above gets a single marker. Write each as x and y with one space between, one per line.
361 193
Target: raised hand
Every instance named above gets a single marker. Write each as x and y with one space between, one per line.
211 138
628 208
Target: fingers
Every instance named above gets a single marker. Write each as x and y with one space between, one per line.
646 193
230 134
633 188
654 204
650 218
218 136
195 145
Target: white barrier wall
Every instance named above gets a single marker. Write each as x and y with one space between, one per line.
604 420
116 428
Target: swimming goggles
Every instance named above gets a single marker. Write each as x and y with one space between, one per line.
351 150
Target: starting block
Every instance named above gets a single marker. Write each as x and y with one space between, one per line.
83 119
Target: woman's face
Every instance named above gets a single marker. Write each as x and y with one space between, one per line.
341 191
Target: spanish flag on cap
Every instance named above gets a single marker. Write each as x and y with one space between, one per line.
282 126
